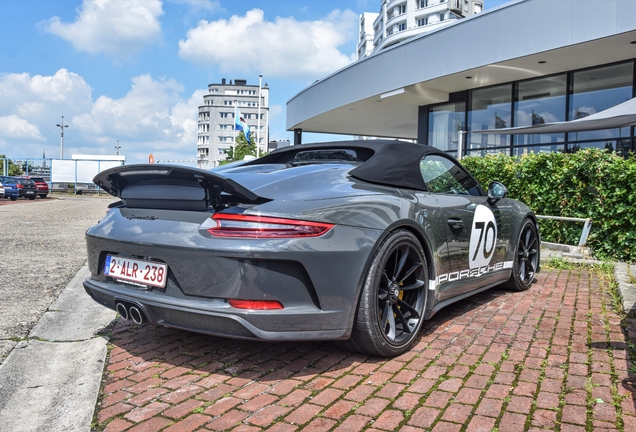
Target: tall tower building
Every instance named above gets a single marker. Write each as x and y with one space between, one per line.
216 119
402 19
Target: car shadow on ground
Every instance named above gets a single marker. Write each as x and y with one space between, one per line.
168 348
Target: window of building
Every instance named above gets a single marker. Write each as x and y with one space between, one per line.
598 89
226 115
401 27
444 123
399 10
421 22
226 127
490 109
540 101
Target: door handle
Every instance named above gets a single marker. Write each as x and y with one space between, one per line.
455 223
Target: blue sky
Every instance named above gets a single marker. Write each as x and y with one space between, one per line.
134 71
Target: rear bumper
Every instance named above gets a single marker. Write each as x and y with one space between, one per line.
213 316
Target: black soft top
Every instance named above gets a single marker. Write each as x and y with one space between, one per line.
387 162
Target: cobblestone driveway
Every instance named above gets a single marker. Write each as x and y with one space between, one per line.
551 358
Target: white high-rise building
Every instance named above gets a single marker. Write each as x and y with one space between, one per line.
216 119
402 19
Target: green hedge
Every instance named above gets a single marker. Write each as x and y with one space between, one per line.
589 183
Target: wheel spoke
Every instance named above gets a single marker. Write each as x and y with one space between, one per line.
522 270
418 284
414 267
400 265
528 234
413 313
401 319
383 294
389 320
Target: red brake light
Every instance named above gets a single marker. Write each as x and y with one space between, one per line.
233 225
255 304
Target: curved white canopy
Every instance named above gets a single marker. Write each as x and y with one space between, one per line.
621 115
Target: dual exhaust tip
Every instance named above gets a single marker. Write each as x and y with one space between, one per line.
130 311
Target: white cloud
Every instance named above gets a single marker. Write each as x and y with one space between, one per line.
283 48
14 127
153 117
118 28
208 5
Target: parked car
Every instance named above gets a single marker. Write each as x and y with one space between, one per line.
26 188
1 190
41 185
356 241
10 188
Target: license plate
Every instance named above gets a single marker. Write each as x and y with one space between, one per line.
30 192
138 271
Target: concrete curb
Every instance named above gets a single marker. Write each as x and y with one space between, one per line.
51 381
626 289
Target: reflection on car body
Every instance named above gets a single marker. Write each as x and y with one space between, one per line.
358 242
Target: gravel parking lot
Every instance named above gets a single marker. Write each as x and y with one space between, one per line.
41 248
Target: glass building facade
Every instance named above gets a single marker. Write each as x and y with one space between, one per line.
561 97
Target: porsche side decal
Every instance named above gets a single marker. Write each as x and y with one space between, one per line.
463 274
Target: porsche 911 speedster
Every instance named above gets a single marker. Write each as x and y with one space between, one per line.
356 241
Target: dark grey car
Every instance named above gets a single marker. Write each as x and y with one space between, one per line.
352 241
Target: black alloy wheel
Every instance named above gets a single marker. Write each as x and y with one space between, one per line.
391 309
526 259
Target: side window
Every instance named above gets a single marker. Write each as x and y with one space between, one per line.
443 176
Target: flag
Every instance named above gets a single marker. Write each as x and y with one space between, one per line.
241 125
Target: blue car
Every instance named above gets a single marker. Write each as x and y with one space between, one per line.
10 187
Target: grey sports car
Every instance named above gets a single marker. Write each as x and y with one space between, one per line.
355 241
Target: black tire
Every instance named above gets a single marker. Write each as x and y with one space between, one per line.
32 198
43 196
14 198
391 307
526 258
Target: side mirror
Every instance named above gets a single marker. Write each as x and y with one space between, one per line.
496 191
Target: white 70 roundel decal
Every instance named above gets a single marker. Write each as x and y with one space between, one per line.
483 237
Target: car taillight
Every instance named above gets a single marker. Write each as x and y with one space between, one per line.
233 225
255 304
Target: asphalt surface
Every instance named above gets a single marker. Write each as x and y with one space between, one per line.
42 246
551 358
48 325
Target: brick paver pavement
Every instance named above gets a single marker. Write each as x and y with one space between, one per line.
551 358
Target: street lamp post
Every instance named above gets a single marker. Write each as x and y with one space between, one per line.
62 126
117 147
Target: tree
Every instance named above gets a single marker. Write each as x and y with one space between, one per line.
241 149
14 170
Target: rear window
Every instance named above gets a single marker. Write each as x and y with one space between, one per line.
326 155
37 179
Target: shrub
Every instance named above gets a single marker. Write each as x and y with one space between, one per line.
589 183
